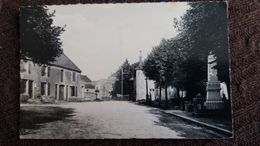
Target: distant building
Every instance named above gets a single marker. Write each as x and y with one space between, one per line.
88 87
60 79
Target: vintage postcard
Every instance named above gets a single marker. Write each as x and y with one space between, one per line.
125 70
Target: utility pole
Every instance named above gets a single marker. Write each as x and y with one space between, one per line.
146 90
122 83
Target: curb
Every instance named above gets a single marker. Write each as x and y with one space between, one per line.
212 127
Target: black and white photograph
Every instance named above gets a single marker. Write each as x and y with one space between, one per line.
125 70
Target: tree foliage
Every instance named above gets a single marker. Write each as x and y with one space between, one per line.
153 65
162 64
204 28
125 73
40 39
182 61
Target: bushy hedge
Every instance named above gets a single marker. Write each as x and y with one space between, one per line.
76 99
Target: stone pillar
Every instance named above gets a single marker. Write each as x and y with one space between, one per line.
46 89
82 91
214 100
69 92
65 92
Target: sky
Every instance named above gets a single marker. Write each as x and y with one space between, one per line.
98 38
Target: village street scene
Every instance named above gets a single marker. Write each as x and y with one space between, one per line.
137 70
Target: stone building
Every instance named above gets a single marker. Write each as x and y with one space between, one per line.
60 79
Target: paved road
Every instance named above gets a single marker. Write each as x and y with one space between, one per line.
107 119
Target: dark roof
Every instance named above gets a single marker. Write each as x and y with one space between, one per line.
84 78
90 86
65 62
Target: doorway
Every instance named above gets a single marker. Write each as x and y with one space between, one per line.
30 90
61 92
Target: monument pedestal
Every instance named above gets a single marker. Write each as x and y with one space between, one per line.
214 100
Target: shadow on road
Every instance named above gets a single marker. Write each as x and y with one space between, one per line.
184 128
32 117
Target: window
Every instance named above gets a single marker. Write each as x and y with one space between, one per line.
49 89
70 74
73 90
49 71
61 75
29 67
43 70
43 88
73 76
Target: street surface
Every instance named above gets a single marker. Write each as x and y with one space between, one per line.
106 119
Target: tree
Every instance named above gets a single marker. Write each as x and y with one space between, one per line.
153 68
162 64
182 61
124 76
173 57
40 39
203 29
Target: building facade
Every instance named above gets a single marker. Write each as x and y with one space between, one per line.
59 80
